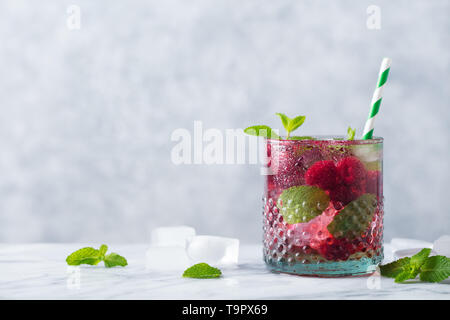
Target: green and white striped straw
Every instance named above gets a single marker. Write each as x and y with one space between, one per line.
376 99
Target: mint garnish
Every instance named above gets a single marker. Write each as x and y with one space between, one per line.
430 269
435 269
302 203
419 258
93 256
354 218
351 133
113 259
202 271
262 131
411 270
405 268
289 124
86 255
393 269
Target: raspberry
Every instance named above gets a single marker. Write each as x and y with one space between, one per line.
351 171
373 181
322 174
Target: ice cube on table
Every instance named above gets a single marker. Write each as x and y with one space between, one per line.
213 250
171 236
442 246
404 243
169 258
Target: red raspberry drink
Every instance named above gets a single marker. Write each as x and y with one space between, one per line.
323 206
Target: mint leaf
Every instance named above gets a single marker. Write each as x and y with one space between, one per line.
202 271
302 203
93 256
395 268
419 258
86 255
296 123
291 124
405 275
113 259
415 263
262 131
351 133
435 269
285 120
102 250
355 218
430 269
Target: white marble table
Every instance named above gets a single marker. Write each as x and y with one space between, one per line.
39 271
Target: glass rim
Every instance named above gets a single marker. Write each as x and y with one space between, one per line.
325 139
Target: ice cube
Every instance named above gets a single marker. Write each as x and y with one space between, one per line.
442 246
213 250
404 243
169 258
171 236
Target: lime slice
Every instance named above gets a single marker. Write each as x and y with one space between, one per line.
355 218
302 203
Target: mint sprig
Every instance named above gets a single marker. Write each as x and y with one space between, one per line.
92 256
290 124
202 271
429 269
351 133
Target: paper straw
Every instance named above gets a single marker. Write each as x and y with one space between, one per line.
376 99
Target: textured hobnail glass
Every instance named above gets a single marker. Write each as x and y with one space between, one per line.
333 228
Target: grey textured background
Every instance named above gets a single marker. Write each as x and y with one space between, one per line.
86 115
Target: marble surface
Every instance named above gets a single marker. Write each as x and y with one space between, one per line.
39 271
